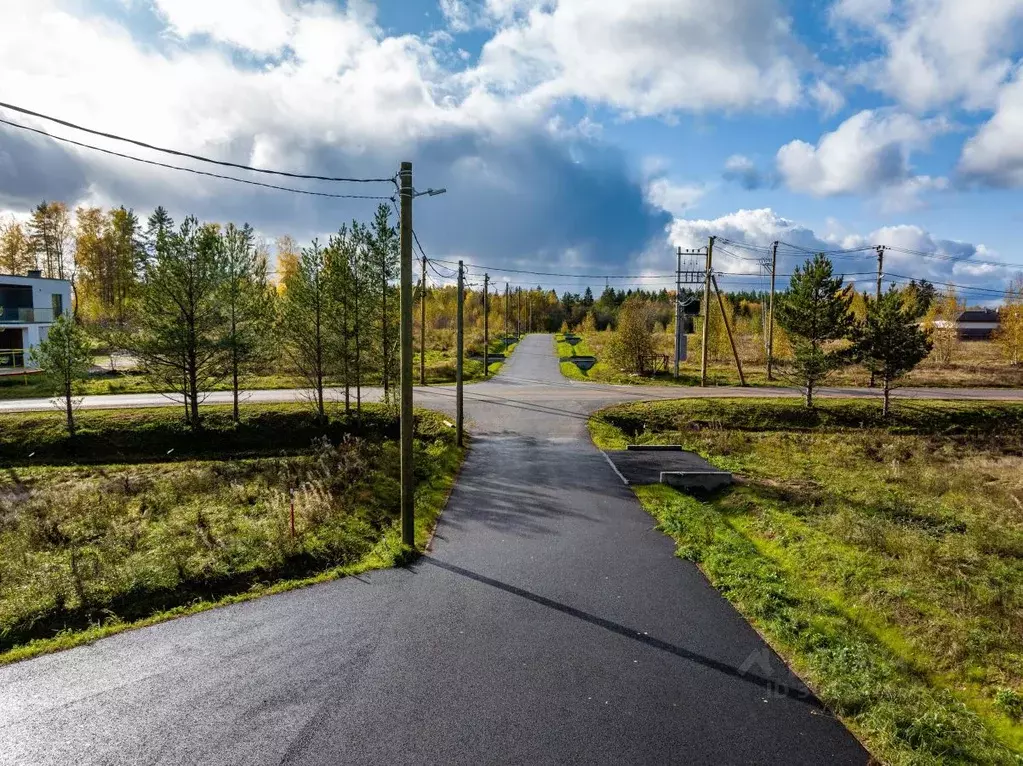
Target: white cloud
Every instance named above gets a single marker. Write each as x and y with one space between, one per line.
828 98
995 154
936 52
262 26
868 153
640 56
676 199
760 228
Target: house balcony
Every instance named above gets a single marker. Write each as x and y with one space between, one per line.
12 315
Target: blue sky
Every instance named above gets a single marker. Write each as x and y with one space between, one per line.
589 135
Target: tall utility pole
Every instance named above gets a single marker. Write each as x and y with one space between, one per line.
518 312
880 269
408 522
706 313
770 313
507 309
678 311
422 327
460 322
486 327
880 274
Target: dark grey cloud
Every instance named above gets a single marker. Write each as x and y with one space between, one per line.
526 200
33 168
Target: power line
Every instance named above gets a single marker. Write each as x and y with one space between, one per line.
953 258
964 288
570 276
189 170
198 157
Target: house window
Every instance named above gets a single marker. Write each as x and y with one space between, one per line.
57 301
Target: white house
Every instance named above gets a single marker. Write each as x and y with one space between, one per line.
28 306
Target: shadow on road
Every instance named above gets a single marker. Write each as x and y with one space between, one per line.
775 687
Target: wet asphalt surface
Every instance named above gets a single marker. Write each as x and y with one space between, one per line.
550 623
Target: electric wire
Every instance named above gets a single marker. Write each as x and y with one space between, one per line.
192 170
177 153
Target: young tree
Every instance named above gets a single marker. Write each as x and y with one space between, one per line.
386 258
888 341
943 323
180 328
632 343
1010 332
815 312
247 303
64 357
302 320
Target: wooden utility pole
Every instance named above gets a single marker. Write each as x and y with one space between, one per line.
728 329
880 270
518 312
422 327
877 296
486 327
770 314
408 522
706 313
507 310
460 335
678 311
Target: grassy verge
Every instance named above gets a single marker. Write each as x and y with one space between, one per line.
92 547
979 364
883 560
440 369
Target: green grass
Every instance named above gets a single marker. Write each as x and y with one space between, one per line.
440 369
89 549
884 561
978 364
592 344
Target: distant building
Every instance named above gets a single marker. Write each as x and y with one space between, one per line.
28 307
978 323
975 323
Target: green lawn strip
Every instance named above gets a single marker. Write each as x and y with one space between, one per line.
440 368
863 522
231 562
570 369
896 712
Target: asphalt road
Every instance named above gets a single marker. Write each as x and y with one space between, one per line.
549 624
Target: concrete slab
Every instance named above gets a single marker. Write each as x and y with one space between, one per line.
646 466
706 481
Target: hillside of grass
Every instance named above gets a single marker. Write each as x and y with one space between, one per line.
139 519
883 560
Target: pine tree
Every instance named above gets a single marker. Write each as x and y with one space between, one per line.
51 235
159 228
247 302
180 328
302 321
386 258
814 312
888 341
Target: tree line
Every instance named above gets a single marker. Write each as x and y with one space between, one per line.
195 305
